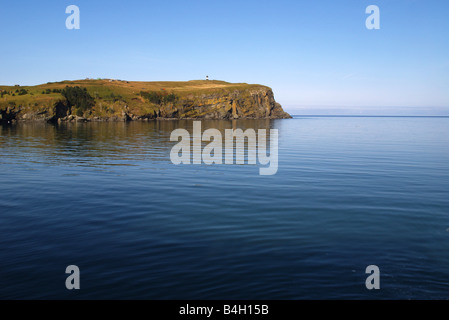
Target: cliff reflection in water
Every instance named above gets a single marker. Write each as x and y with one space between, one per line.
108 143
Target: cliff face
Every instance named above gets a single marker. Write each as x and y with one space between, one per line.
125 101
255 103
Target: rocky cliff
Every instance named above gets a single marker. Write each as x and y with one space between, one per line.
257 103
115 100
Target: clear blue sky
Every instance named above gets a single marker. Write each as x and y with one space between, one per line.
312 53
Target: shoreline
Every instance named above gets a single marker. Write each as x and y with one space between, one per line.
91 120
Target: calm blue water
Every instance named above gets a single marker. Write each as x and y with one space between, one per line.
350 192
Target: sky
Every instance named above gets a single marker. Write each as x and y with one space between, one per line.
315 55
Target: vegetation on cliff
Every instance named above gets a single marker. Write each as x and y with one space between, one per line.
124 100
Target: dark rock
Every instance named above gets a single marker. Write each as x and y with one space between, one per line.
9 114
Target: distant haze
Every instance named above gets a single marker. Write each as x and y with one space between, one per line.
367 111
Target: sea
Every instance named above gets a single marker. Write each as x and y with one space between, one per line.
349 192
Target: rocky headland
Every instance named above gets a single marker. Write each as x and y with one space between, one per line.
117 100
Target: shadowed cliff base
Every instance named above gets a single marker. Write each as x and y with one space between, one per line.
118 100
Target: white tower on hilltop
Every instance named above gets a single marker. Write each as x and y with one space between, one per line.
207 77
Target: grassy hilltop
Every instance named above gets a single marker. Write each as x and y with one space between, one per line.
106 99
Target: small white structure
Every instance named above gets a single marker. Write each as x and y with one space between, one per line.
207 77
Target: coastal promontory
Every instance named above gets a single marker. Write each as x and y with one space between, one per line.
119 100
